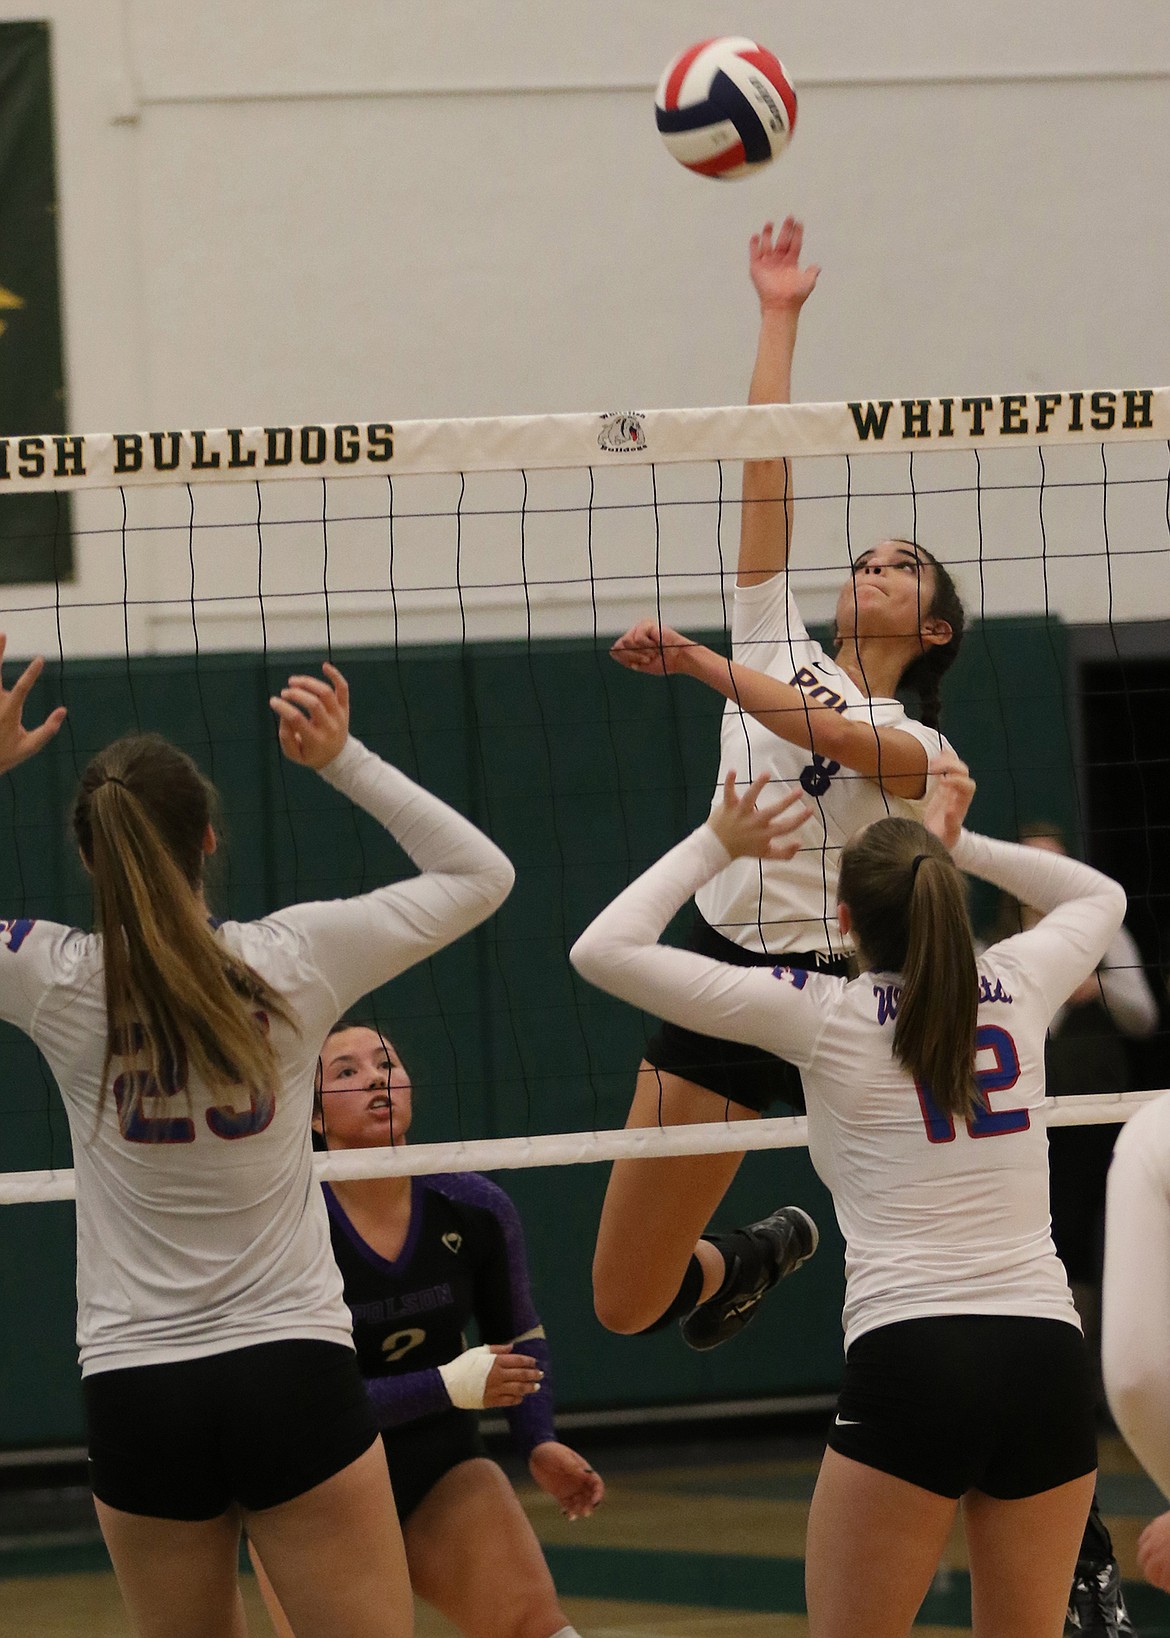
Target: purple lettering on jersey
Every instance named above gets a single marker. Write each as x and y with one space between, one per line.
13 933
395 1307
989 992
888 996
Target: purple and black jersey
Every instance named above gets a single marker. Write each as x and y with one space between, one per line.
463 1263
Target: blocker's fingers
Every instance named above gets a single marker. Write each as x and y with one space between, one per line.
41 736
729 787
314 685
3 645
22 687
755 790
787 815
310 704
946 762
340 685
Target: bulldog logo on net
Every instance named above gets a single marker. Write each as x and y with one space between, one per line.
623 433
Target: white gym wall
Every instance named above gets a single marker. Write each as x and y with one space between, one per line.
307 212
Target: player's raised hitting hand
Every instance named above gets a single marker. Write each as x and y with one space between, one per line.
655 650
18 743
314 717
774 263
750 831
950 791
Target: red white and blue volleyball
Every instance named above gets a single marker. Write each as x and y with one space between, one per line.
725 107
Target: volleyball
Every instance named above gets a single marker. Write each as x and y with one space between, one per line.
725 107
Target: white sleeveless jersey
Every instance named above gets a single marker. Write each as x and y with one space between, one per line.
772 907
200 1229
939 1216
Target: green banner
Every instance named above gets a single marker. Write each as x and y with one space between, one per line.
35 541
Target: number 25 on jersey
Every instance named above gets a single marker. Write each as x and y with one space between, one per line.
999 1076
134 1087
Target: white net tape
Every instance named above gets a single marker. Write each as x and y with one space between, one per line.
514 443
582 1148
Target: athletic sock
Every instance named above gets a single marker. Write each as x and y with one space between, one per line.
743 1261
685 1299
1097 1543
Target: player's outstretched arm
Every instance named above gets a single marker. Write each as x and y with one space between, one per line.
18 743
896 760
783 287
620 950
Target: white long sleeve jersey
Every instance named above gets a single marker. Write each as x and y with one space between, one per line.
199 1230
939 1216
773 907
1135 1338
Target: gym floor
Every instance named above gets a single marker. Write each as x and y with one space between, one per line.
697 1539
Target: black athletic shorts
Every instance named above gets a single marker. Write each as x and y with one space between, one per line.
958 1402
419 1453
743 1074
254 1426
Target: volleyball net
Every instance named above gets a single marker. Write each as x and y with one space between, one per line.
468 577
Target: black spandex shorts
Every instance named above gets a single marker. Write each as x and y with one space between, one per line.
254 1426
959 1402
743 1074
418 1454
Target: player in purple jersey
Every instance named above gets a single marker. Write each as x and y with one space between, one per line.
423 1259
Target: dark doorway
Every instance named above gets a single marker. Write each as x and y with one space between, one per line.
1125 717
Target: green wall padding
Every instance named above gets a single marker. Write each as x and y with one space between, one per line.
584 774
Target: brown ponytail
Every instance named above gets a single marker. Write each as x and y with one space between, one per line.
174 992
925 672
909 913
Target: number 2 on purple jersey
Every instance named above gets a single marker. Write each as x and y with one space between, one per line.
999 1077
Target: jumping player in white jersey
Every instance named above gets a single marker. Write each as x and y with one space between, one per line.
966 1373
217 1359
827 725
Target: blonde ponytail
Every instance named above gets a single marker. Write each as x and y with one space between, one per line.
174 992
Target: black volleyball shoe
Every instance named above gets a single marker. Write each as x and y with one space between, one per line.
757 1258
1096 1607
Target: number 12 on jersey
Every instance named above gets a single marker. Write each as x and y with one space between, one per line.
999 1076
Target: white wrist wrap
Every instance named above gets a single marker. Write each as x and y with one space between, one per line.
465 1377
